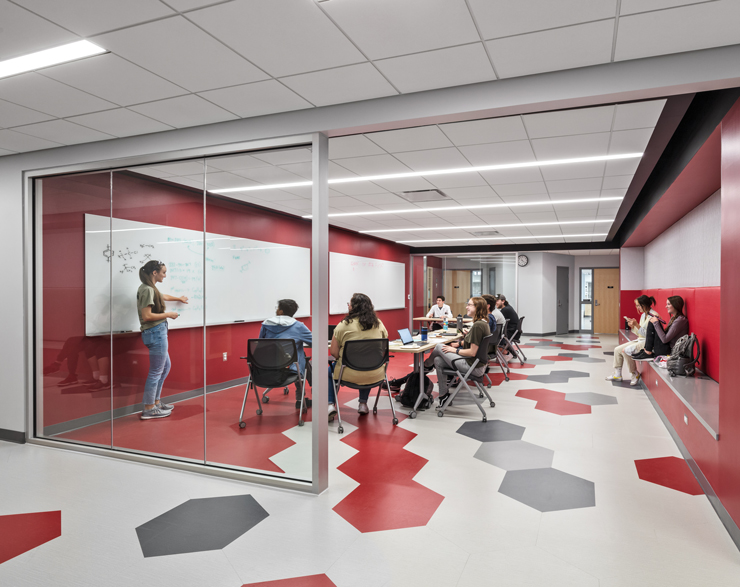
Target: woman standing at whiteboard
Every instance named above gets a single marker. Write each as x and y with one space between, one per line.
153 319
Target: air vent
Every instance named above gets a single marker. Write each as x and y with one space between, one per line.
487 233
424 196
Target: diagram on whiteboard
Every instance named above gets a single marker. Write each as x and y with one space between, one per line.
242 278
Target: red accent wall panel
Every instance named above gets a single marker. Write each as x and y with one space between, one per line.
728 488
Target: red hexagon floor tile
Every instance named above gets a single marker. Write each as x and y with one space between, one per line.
553 402
308 581
20 533
557 358
670 472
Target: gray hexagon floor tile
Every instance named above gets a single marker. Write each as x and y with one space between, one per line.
539 362
491 431
573 355
590 398
515 455
611 353
548 490
200 524
588 360
557 376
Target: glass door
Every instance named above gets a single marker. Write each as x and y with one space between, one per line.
587 288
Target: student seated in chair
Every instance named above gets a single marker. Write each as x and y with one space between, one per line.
283 325
644 305
660 341
439 310
509 313
495 318
360 323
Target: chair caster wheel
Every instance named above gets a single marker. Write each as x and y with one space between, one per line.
440 414
485 419
301 422
480 396
265 400
259 412
488 387
340 430
412 415
395 421
375 411
507 379
242 424
493 404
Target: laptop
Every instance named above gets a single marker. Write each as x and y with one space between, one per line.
406 337
331 331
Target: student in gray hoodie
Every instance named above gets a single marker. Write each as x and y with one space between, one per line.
283 325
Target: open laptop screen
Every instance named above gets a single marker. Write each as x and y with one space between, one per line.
405 336
331 331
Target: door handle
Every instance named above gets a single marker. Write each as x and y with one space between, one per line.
596 302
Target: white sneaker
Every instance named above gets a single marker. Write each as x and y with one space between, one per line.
614 377
332 412
635 379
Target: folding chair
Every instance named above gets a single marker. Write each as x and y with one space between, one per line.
269 361
365 355
480 358
497 357
512 343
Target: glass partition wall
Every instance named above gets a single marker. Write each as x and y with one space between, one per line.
226 260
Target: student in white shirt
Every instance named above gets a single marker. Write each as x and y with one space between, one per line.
644 306
439 310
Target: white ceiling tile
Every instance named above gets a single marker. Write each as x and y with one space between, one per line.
537 217
51 97
63 131
352 146
411 139
387 28
630 141
457 180
18 142
574 171
688 28
622 167
120 122
256 99
184 5
590 145
617 181
268 175
575 185
634 6
404 184
434 159
222 179
521 189
553 50
569 122
235 162
282 38
382 200
184 111
507 176
638 115
90 17
502 18
490 130
499 153
4 152
373 165
358 188
14 115
343 84
454 66
114 79
182 53
23 32
614 193
303 169
472 193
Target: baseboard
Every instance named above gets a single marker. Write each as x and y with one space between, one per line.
12 436
732 528
538 334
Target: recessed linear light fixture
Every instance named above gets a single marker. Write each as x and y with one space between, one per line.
433 172
474 207
502 238
414 229
49 57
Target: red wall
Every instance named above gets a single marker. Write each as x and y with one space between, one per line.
67 199
728 486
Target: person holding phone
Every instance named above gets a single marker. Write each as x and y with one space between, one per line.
659 340
626 352
153 319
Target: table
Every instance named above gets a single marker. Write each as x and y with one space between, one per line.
450 320
418 351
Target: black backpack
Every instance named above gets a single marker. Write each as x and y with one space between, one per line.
411 391
684 357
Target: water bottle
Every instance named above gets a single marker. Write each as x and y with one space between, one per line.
424 331
445 324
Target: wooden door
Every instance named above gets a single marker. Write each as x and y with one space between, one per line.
606 301
457 290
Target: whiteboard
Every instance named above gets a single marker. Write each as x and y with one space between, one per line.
383 281
243 278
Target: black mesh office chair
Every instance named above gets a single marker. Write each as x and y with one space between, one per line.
269 361
512 343
365 355
481 357
495 356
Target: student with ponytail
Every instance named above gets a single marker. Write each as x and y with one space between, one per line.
644 305
153 318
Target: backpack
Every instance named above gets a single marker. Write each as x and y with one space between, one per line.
411 391
683 359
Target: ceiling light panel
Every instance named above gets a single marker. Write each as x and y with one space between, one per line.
49 57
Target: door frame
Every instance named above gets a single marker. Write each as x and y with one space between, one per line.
567 304
580 299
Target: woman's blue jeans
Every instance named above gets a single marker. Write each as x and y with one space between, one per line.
364 392
155 340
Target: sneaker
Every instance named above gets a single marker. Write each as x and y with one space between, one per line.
443 398
68 380
154 413
167 407
635 379
614 377
332 412
98 386
53 368
642 356
362 409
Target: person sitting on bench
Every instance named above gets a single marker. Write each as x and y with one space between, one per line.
644 306
659 341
